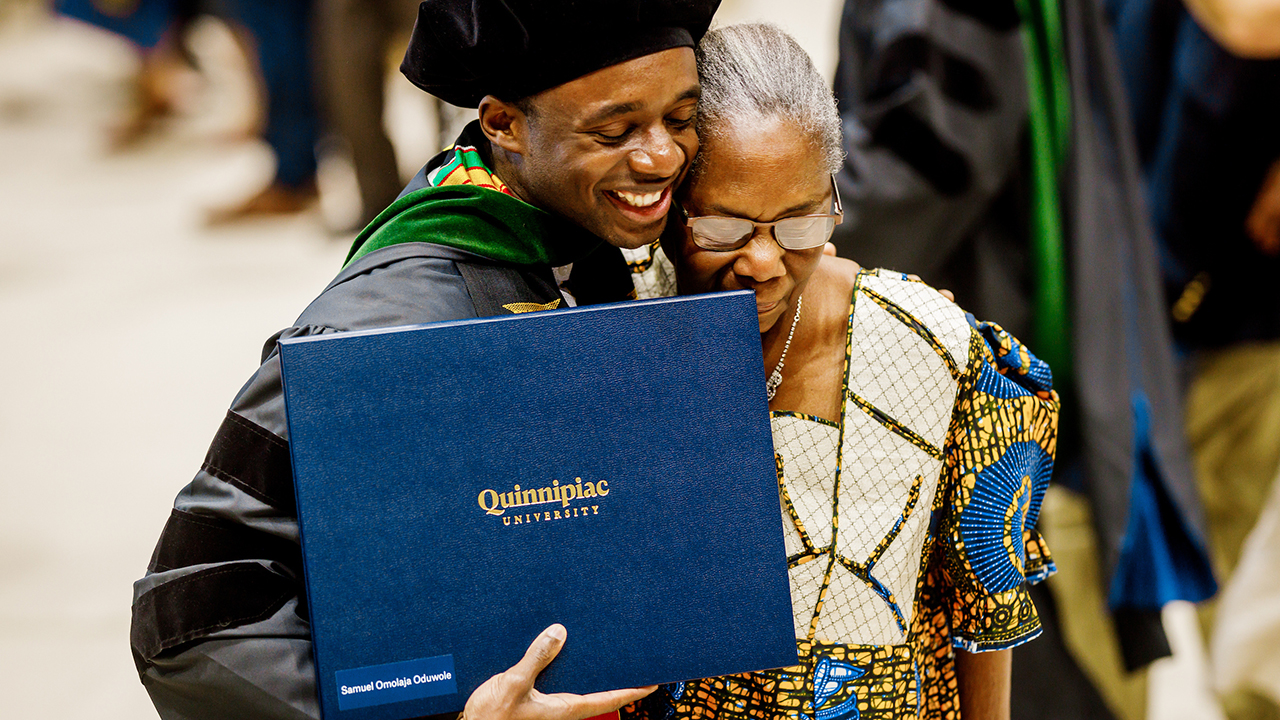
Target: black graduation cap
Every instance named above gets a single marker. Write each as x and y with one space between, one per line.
462 50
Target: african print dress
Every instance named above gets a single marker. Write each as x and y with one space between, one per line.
910 524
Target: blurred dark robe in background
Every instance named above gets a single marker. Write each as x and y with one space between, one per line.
934 98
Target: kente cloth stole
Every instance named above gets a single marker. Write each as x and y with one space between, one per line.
466 167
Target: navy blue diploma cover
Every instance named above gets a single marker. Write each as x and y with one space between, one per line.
463 485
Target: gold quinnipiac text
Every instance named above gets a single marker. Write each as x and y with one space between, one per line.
523 504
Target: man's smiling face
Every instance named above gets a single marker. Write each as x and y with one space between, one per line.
607 150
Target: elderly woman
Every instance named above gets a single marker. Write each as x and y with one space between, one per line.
913 443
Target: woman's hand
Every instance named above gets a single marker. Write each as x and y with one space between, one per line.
510 695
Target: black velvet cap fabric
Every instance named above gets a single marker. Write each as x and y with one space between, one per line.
462 50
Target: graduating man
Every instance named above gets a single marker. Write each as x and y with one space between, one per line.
585 126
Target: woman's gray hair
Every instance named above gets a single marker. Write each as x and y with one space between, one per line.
758 72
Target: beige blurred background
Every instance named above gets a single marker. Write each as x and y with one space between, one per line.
129 326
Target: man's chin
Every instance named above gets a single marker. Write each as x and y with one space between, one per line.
630 240
631 243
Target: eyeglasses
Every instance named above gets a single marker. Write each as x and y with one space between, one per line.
722 234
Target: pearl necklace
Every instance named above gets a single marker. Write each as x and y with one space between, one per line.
775 379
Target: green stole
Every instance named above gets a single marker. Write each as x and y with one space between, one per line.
476 220
1049 99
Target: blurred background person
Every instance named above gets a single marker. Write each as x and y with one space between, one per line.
989 150
277 36
359 41
361 44
1204 86
280 36
155 28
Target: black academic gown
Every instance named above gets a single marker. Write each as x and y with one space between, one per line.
220 620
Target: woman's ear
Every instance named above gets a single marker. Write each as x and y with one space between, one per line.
504 124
